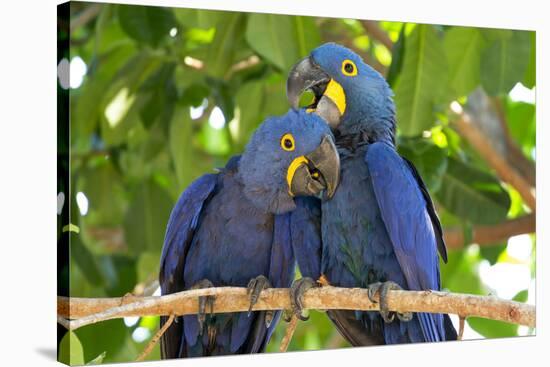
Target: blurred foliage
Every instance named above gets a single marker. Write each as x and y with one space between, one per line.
170 94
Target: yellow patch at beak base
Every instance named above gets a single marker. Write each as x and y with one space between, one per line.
297 162
335 92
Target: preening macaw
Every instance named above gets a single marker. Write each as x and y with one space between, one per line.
233 228
380 230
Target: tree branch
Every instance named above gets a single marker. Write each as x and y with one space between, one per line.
487 235
480 142
374 30
460 328
290 329
155 339
87 311
85 16
514 155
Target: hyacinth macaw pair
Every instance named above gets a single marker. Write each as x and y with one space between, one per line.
248 224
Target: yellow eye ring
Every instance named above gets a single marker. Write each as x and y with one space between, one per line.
349 68
287 142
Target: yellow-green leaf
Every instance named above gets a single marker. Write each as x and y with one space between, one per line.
463 47
421 80
71 351
504 62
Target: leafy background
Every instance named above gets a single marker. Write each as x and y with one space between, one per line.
160 96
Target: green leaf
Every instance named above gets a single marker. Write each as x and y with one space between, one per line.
148 266
463 47
275 96
428 158
71 351
195 18
521 296
105 338
119 272
146 24
398 55
472 194
214 141
460 273
194 94
189 162
120 116
504 62
521 118
152 109
249 100
530 78
85 261
156 114
108 33
221 52
85 115
495 34
223 97
281 39
121 103
157 80
307 35
492 328
146 218
492 252
150 322
421 80
97 360
156 141
102 185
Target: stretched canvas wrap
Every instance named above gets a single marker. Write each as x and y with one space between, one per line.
235 183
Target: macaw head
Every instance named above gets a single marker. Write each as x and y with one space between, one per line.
349 94
289 156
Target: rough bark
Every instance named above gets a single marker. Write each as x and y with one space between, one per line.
86 311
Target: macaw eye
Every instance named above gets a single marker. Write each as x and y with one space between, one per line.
287 142
349 68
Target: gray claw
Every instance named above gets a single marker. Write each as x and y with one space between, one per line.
297 290
372 290
405 317
254 288
287 315
383 289
204 301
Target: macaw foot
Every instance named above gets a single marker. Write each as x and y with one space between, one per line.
382 289
297 290
287 315
203 302
254 288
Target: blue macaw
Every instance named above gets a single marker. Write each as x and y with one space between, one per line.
380 230
233 228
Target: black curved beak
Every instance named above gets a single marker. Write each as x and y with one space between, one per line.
307 75
315 172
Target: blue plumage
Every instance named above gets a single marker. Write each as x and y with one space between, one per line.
381 224
234 226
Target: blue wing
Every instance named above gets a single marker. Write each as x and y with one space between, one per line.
283 263
405 213
251 332
181 225
305 227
